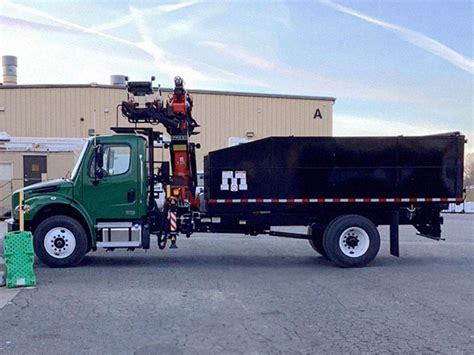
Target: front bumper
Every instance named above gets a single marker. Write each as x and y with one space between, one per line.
12 225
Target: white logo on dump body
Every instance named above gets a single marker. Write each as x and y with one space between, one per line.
234 181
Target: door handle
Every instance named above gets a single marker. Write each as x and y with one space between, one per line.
131 195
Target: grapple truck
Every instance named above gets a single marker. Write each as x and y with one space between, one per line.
341 188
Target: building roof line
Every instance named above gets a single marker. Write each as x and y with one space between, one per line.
191 91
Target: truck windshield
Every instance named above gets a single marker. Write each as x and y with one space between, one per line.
79 160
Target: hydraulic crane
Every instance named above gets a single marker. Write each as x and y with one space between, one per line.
176 116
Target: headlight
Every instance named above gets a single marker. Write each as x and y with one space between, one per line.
26 209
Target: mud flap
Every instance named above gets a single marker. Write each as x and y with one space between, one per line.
394 233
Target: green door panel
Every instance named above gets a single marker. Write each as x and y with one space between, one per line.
117 194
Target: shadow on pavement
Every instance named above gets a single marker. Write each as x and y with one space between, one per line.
204 261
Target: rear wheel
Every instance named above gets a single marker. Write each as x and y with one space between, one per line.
60 241
316 240
351 241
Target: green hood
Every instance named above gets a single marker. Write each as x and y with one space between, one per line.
52 187
46 186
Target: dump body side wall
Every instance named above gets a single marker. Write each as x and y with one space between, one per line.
340 167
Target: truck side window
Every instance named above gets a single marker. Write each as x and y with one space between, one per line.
116 160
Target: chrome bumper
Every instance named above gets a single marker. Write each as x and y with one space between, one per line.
12 225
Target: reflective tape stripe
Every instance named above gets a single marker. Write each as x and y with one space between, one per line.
336 200
173 221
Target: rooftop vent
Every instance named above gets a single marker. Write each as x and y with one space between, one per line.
118 80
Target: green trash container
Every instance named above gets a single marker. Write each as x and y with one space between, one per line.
19 259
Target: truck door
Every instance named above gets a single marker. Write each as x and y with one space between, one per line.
112 193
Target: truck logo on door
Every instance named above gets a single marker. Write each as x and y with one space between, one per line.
234 181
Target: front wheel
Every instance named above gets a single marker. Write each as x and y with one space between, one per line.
60 241
351 241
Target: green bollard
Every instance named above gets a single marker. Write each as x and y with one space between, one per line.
19 259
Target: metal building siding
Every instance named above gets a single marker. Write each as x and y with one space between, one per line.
224 116
57 111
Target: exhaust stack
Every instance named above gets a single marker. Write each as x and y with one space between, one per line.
10 64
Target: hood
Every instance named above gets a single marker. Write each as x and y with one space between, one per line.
55 187
47 186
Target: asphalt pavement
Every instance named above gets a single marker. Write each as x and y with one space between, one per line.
219 294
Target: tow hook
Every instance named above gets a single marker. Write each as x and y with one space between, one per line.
411 212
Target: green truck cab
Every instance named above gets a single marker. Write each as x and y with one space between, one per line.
107 190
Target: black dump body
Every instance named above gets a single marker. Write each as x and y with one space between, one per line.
298 175
340 167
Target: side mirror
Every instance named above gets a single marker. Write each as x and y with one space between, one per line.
98 164
99 156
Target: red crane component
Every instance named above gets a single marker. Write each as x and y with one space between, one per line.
182 181
181 102
178 105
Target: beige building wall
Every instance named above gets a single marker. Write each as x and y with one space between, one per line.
68 111
37 111
224 116
57 165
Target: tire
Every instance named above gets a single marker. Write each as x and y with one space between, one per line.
351 241
316 240
60 241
